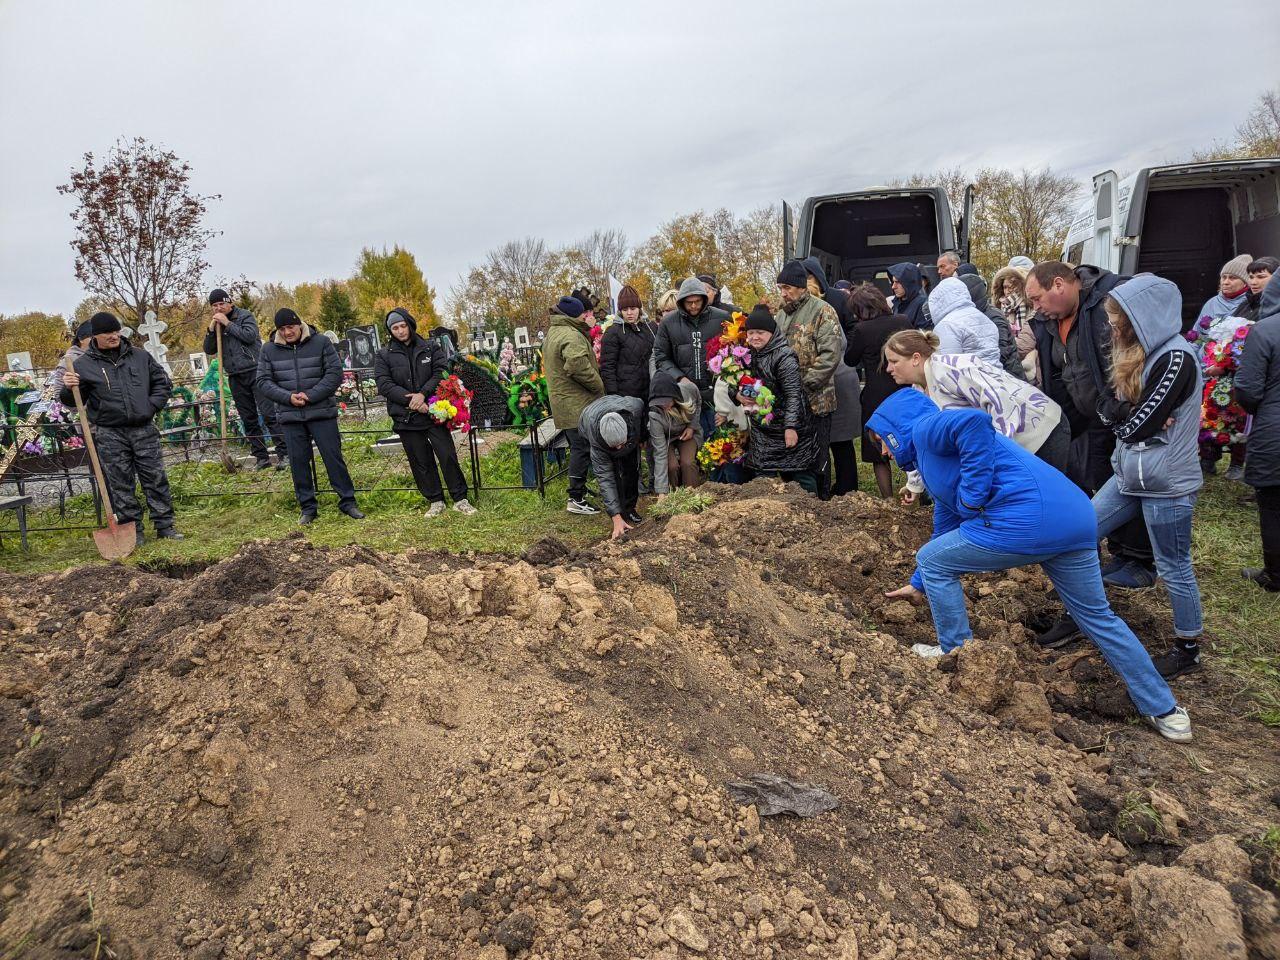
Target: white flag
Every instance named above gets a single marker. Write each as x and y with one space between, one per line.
615 288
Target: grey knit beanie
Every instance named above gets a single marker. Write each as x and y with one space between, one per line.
613 429
1238 267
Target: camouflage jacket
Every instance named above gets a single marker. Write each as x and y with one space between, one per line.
813 331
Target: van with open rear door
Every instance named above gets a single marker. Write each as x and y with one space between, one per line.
1182 222
857 236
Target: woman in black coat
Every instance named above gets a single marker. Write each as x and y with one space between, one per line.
626 350
408 370
1257 387
874 325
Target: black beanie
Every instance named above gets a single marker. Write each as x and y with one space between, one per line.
664 385
793 274
84 331
761 318
286 318
218 296
103 323
709 278
569 307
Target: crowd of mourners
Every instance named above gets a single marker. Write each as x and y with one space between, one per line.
1055 407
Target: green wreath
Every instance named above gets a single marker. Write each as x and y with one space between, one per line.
183 416
527 399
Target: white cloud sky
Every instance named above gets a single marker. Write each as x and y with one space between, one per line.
328 126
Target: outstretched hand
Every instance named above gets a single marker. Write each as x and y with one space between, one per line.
906 593
908 495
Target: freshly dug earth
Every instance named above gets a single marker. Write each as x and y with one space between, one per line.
307 753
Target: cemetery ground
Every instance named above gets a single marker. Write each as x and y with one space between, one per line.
504 736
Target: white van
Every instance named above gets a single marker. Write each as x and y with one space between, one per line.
1182 222
858 235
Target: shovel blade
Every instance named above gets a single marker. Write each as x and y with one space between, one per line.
116 541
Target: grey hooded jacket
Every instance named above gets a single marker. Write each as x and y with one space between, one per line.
680 348
604 458
1167 463
961 327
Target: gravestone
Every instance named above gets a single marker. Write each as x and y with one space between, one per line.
20 361
364 344
151 328
522 336
199 363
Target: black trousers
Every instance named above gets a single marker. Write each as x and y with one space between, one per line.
579 463
628 468
1130 542
1056 449
1269 520
424 448
132 456
846 477
249 404
298 438
822 458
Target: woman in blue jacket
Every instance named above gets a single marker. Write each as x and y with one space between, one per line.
995 507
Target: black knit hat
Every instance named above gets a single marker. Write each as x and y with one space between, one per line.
218 295
709 278
569 306
103 322
286 318
84 331
793 274
761 318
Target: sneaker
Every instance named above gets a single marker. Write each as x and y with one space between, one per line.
1113 565
352 511
464 507
259 465
1208 467
632 517
436 508
581 507
927 650
1177 661
1263 579
1174 725
1235 471
307 518
1131 576
1062 632
169 533
282 465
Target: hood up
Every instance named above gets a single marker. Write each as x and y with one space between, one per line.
1270 299
948 296
907 274
814 268
895 420
397 314
691 288
1154 307
664 385
977 290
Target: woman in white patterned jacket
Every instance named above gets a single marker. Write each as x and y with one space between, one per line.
1018 410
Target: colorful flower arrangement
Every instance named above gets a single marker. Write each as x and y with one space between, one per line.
451 404
45 444
507 359
17 380
54 421
596 334
487 364
725 445
1220 341
528 401
761 398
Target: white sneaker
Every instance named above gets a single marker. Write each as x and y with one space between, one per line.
1173 726
436 509
581 507
464 508
927 650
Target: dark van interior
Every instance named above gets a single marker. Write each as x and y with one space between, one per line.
858 237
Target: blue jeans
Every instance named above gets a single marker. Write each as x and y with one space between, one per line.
1078 579
1168 521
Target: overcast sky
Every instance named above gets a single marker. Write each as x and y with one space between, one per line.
327 126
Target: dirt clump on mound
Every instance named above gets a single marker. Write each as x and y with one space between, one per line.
307 753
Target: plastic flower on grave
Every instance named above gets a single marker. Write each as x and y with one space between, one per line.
442 411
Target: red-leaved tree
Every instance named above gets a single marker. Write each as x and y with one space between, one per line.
140 235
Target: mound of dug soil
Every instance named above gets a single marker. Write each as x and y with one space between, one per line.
302 753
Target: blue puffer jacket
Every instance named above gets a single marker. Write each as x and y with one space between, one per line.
998 495
310 366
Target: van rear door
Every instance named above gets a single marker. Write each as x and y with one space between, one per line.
1106 195
788 232
966 218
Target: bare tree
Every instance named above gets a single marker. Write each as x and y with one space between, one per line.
140 236
597 257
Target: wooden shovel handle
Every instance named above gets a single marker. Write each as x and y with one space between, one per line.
222 394
93 454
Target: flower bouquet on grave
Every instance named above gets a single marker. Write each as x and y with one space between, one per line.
451 404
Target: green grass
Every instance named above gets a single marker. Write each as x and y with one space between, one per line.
682 500
216 526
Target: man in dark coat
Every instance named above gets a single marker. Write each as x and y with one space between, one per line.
1257 387
123 389
909 299
626 349
241 343
1009 358
712 286
680 348
300 372
614 427
408 370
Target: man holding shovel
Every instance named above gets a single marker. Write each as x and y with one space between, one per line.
233 337
123 389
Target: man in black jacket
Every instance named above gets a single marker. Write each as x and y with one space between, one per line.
680 348
123 389
241 343
408 370
300 372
